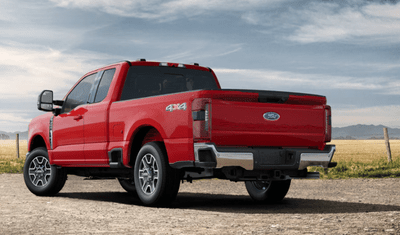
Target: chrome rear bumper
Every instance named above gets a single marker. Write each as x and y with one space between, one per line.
242 159
207 155
317 159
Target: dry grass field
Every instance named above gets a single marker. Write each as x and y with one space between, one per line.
355 158
363 159
8 149
365 151
9 163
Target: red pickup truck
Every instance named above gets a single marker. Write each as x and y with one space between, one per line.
152 124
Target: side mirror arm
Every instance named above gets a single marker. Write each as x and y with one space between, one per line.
58 102
57 111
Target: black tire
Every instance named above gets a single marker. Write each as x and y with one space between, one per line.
128 185
156 182
268 191
41 178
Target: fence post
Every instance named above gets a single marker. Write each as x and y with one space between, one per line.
389 154
17 140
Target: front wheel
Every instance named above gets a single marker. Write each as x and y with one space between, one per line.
40 177
156 182
268 191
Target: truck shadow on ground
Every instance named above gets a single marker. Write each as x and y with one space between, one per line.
240 203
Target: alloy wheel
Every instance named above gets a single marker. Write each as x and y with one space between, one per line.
39 171
148 174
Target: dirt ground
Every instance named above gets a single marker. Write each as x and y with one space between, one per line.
356 206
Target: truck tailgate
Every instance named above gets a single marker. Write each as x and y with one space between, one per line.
244 123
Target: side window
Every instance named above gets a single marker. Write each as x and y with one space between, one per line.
104 85
80 94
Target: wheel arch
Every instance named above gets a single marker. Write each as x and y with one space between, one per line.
36 142
141 136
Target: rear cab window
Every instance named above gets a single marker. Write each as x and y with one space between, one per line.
145 81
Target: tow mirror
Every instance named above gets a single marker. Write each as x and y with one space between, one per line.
45 101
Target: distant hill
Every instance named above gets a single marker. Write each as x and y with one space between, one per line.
12 135
364 132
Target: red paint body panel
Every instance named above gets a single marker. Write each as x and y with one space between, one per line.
84 136
174 127
96 133
68 155
68 138
39 128
242 124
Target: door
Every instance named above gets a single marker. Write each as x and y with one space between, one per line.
96 121
68 134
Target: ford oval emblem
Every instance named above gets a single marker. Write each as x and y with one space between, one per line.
271 116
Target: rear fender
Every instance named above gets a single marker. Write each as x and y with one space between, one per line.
140 135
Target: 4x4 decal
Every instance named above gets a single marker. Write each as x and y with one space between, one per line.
173 107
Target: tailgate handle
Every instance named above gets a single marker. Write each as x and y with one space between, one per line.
267 98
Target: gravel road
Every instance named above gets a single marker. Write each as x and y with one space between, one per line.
356 206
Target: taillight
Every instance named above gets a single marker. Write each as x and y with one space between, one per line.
201 113
328 124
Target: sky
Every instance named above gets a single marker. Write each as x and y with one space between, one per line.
348 50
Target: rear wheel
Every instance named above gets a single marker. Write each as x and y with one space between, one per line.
155 181
267 191
40 177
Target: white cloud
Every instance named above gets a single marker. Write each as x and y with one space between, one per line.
385 115
179 56
6 115
25 70
196 50
314 21
393 88
374 66
167 10
6 13
12 120
270 79
328 22
230 52
386 10
252 17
